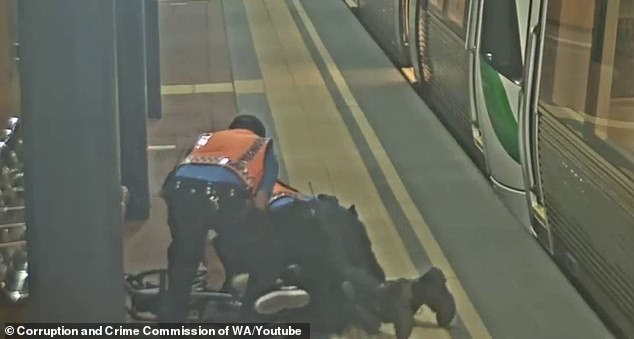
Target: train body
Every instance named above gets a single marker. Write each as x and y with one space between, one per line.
540 94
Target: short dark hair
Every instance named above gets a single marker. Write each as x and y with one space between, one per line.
250 123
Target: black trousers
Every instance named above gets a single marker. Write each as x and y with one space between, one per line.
194 207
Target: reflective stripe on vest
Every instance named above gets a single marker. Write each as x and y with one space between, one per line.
239 150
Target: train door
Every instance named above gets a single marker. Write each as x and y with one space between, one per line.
474 17
529 120
499 42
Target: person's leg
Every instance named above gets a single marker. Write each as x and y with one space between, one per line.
375 301
229 256
430 289
188 220
394 306
399 300
319 245
361 270
216 273
264 258
264 265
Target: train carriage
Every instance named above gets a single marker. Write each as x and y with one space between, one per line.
540 94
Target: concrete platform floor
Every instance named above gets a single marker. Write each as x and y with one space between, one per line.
345 121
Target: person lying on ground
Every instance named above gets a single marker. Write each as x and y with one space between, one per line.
330 256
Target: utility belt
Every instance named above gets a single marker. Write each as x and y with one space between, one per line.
213 190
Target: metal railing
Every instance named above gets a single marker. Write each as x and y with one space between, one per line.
13 251
13 255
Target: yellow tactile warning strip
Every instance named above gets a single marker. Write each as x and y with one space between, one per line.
248 86
238 86
316 144
181 1
161 147
470 317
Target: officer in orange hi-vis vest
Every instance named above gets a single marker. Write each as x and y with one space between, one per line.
224 184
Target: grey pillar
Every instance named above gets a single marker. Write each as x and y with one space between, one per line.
133 106
153 52
73 192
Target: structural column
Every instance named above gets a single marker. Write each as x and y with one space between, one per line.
133 106
5 62
152 47
73 192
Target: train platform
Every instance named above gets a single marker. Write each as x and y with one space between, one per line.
346 122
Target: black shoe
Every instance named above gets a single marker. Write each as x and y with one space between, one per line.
431 290
396 307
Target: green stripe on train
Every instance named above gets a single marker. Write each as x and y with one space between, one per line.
500 111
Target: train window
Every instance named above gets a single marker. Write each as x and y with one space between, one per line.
456 11
500 43
587 77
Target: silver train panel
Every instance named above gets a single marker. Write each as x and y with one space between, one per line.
590 206
584 202
446 88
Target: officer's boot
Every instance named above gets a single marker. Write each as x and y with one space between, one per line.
395 297
431 290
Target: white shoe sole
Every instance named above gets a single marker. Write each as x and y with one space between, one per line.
277 301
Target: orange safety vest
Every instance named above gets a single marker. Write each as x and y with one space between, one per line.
282 190
239 150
